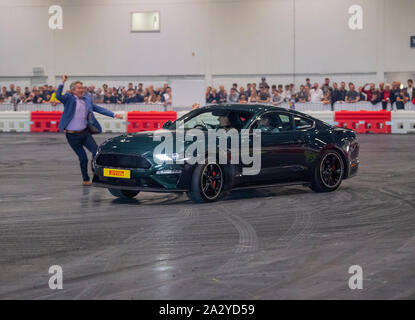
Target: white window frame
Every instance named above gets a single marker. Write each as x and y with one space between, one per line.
145 31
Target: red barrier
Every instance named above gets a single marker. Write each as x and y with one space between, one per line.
148 121
364 121
45 121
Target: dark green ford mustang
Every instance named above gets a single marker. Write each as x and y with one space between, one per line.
295 149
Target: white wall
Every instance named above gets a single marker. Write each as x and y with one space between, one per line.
399 26
402 77
226 41
251 37
324 42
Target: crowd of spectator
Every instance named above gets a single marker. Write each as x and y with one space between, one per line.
326 93
121 95
315 93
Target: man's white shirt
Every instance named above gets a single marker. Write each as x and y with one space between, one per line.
316 95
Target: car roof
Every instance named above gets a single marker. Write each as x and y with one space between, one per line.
255 108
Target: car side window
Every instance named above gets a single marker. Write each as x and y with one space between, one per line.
302 123
286 122
274 122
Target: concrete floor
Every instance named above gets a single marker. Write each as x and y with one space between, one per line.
281 243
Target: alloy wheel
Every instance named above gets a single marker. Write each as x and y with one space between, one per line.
211 182
331 170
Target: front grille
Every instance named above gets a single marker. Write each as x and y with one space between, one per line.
122 161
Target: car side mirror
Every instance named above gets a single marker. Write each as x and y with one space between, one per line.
167 124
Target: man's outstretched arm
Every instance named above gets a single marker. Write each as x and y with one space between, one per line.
62 98
106 112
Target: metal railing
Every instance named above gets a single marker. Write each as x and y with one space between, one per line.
357 106
304 107
409 106
112 107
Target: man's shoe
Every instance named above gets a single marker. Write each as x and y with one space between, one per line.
87 183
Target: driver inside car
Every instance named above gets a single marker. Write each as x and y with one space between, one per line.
264 125
224 122
223 119
228 120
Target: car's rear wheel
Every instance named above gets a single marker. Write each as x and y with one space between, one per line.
207 183
329 172
123 194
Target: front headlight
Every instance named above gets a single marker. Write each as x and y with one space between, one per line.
163 158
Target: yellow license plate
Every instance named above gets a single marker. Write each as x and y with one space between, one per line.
115 173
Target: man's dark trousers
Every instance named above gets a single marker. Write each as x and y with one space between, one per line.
78 141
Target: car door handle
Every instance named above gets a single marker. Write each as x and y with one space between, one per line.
296 141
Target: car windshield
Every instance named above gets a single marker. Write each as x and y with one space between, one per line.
213 119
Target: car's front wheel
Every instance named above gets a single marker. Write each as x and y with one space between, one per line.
329 172
207 183
123 194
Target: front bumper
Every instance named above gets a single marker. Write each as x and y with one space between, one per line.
99 184
352 154
147 179
353 168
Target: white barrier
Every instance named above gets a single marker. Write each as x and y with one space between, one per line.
111 124
19 121
403 122
15 121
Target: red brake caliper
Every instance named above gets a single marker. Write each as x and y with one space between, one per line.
214 182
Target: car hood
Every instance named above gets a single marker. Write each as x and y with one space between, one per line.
141 143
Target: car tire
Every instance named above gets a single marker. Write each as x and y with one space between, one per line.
329 172
207 184
123 194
